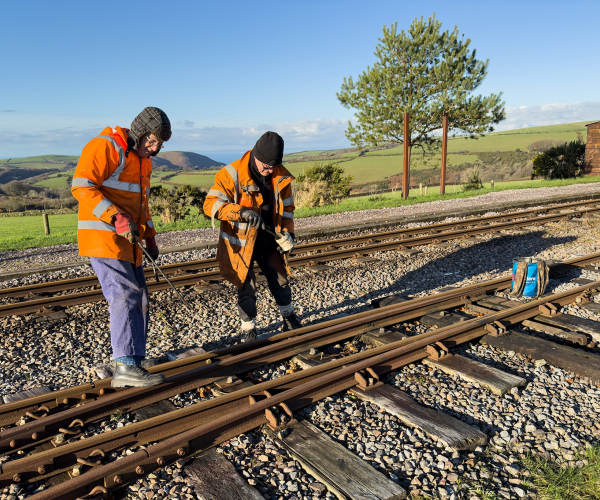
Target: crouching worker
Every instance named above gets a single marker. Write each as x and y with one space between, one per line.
112 185
252 197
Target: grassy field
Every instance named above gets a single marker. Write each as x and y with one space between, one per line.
18 233
56 181
42 162
203 180
377 165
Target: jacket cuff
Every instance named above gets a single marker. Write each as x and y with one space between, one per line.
108 214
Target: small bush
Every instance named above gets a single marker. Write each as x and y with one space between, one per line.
474 181
560 162
175 205
320 185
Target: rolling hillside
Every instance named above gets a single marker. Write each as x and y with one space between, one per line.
178 160
382 164
500 155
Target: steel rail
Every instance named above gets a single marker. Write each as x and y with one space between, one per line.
296 390
60 401
48 304
197 265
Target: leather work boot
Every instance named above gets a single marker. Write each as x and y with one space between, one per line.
146 363
250 335
291 322
135 376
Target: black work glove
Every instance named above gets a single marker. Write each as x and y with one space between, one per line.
252 218
152 248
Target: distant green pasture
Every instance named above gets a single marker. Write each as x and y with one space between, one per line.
203 181
367 168
41 162
55 182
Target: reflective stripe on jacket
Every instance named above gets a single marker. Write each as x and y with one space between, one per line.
107 182
234 189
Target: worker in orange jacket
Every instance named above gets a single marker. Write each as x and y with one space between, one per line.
252 197
112 185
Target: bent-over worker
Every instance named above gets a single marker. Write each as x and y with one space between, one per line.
112 185
250 196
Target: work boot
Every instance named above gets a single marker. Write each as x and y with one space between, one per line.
291 322
146 363
135 376
250 335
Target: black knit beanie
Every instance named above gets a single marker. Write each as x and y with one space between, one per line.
269 149
149 121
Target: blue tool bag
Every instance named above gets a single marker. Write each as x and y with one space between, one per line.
529 277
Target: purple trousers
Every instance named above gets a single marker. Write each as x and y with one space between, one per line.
124 287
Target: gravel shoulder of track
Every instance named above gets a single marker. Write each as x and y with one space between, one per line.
66 254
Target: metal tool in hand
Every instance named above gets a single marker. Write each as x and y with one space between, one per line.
165 277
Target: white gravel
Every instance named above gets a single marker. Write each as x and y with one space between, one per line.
63 353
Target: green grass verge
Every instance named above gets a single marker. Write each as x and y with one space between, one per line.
555 482
18 233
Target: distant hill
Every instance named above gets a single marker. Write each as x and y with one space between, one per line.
177 160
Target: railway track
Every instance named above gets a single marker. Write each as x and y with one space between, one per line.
203 272
200 426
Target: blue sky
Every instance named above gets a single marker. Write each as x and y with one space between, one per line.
227 71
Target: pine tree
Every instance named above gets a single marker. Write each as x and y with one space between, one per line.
425 72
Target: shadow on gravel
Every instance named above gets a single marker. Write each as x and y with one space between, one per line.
492 256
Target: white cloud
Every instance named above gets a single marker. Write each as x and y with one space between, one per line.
305 134
553 113
69 136
318 133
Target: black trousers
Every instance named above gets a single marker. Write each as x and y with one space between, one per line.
273 268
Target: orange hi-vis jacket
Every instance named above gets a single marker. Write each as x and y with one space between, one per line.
107 182
234 189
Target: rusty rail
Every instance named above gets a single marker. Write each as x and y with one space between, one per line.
228 416
50 303
323 333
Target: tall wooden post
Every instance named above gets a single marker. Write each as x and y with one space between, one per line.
46 224
444 154
405 175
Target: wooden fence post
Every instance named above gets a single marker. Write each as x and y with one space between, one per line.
46 224
444 153
405 168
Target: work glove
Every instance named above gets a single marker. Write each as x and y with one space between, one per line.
252 218
285 242
152 248
126 227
